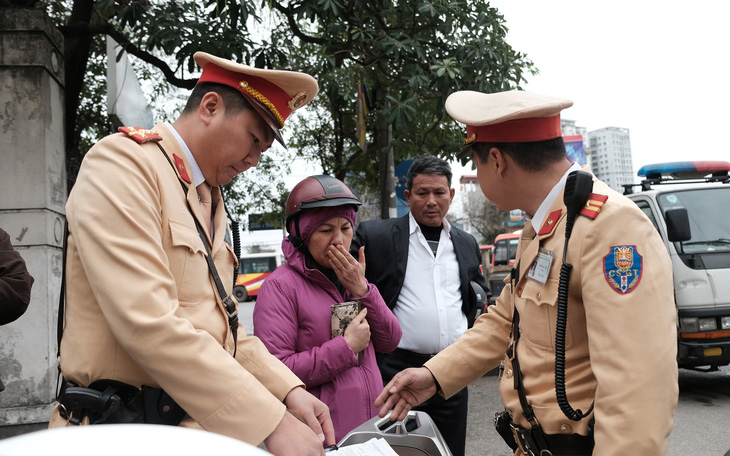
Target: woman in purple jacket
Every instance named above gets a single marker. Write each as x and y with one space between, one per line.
292 315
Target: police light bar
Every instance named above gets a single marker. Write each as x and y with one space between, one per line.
685 170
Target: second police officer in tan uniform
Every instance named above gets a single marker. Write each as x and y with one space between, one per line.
608 385
145 318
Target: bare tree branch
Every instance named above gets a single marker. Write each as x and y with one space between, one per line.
82 29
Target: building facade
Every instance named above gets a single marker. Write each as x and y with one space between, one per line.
610 157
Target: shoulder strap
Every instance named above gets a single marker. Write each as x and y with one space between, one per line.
228 303
61 308
527 411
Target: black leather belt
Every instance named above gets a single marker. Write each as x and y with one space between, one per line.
558 444
411 356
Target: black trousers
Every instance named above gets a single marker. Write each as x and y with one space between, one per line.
448 415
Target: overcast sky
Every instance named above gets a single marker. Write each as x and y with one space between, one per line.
659 69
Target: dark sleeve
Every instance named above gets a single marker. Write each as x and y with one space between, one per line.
15 282
477 275
471 307
358 239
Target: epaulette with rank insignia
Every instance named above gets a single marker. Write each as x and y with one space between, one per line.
141 135
593 205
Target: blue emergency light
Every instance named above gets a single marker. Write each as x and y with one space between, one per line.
685 169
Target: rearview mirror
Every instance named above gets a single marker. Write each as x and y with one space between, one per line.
677 225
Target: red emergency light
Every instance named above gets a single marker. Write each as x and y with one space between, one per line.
685 169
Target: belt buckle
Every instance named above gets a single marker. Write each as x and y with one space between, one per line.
517 433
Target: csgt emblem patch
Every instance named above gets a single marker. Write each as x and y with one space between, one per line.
622 268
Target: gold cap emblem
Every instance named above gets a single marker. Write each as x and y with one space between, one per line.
297 100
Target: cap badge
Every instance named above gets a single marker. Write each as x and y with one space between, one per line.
470 139
297 100
258 96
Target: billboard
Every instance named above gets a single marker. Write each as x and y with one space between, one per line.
574 149
400 186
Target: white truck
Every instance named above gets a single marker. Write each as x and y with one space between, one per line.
689 204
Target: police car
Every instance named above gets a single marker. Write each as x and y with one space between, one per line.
689 204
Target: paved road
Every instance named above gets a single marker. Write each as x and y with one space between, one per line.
701 424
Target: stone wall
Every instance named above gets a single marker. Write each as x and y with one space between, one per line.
32 199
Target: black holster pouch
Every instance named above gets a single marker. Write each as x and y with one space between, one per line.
110 402
160 408
502 425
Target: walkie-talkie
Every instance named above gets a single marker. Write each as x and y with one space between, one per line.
578 187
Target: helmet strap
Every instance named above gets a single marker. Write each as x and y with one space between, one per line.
296 237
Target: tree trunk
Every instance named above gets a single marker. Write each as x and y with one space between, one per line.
76 54
386 162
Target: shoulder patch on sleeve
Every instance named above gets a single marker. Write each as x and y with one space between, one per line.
622 268
593 205
141 135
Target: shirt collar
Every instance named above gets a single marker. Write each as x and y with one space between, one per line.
413 225
548 201
198 177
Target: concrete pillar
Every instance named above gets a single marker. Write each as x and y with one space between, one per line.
32 199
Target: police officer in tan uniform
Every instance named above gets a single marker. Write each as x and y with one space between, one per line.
589 360
145 322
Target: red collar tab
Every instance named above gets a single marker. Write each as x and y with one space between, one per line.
141 135
180 166
519 130
550 223
593 205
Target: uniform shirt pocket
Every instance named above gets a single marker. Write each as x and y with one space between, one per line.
188 264
537 305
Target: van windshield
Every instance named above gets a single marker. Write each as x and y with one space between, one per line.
256 265
709 217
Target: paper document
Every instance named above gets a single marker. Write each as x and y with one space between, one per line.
373 447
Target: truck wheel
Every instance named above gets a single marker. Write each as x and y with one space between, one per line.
240 293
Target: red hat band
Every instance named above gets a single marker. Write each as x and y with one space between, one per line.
519 130
263 92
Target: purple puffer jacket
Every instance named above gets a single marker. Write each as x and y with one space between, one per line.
292 318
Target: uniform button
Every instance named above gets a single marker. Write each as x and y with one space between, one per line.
165 408
508 374
519 292
566 429
539 296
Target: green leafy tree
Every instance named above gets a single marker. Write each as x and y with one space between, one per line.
163 36
411 54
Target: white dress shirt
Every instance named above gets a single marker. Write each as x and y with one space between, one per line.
197 174
429 305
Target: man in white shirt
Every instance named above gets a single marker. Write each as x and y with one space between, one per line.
423 267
